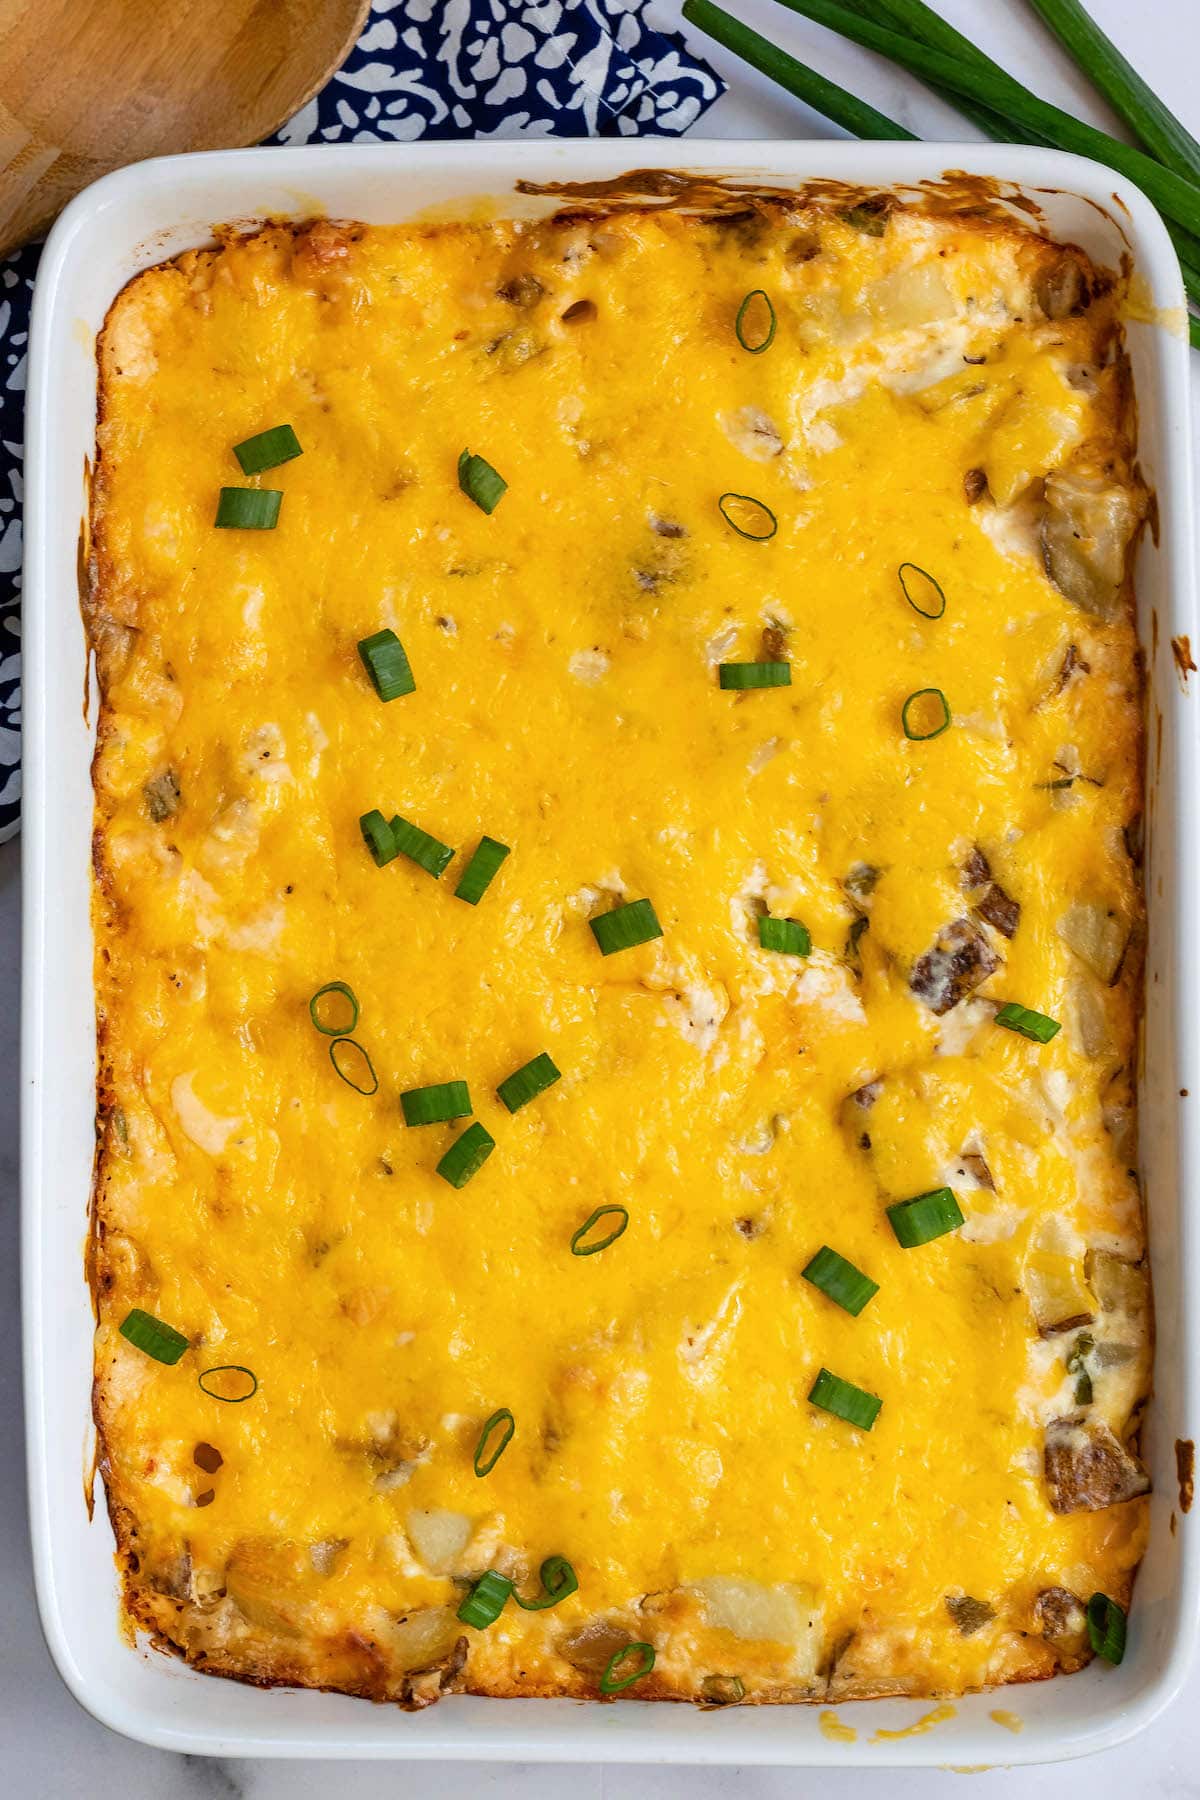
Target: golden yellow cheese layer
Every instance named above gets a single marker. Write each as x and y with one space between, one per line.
933 389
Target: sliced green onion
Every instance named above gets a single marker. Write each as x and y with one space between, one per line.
612 1683
757 522
844 1400
558 1580
248 509
267 450
527 1082
625 926
346 993
353 1064
1106 1627
481 871
840 1281
145 1332
214 1392
377 835
911 725
429 853
385 662
1029 1024
765 339
436 1104
578 1245
480 482
501 1425
922 592
786 935
486 1600
925 1217
466 1155
739 675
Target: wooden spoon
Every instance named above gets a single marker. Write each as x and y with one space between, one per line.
89 85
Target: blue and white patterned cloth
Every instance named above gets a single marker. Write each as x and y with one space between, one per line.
422 68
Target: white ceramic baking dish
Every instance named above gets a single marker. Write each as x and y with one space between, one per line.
135 218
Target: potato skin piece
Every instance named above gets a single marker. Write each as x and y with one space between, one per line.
1087 1467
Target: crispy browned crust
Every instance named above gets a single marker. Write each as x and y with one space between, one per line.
863 1667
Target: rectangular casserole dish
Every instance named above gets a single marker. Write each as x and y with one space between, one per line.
144 215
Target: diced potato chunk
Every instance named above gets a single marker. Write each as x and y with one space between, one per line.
1098 935
786 1613
438 1537
1059 1296
422 1640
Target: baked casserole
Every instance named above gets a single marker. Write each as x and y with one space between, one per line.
619 933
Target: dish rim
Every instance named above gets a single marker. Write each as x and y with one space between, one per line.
607 1733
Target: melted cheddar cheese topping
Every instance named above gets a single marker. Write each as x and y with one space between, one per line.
946 392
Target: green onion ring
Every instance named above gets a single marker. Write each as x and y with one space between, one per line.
765 344
935 585
228 1369
755 537
558 1580
334 987
349 1043
579 1248
923 737
645 1654
484 1464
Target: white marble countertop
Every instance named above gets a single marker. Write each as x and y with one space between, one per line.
48 1746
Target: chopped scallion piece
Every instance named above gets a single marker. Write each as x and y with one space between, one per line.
748 517
436 1104
527 1082
738 675
581 1248
429 853
1106 1628
844 1400
145 1332
481 871
320 1015
922 592
925 714
486 1600
267 450
627 925
220 1390
612 1683
558 1580
248 509
840 1281
466 1155
786 935
480 482
353 1064
755 324
1029 1024
925 1217
377 835
385 662
494 1440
